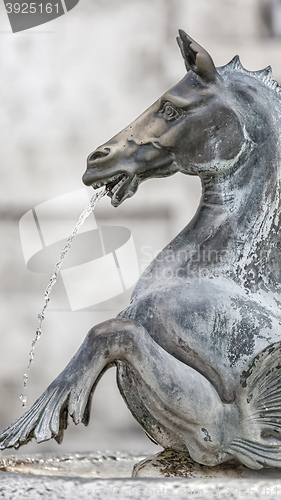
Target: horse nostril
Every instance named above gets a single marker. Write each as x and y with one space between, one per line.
99 153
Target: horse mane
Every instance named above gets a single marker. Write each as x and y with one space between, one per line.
265 75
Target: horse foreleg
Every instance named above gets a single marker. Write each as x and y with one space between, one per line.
175 394
70 393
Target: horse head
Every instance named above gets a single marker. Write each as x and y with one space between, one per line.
197 128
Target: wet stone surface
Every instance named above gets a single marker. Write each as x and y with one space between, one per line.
83 465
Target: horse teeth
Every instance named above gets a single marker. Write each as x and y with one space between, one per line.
114 189
97 185
114 178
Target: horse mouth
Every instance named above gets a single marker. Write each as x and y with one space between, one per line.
116 187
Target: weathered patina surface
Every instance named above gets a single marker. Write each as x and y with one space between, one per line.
198 349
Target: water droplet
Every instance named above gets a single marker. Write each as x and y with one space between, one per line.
23 400
25 379
39 333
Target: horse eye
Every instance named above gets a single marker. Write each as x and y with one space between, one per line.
169 111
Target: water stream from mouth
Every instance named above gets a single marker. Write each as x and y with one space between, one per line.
41 315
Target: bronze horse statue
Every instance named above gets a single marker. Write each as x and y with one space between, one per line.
198 349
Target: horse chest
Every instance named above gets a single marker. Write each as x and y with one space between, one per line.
211 327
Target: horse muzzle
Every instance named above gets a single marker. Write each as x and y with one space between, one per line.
102 170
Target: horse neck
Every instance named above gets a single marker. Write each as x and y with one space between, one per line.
236 229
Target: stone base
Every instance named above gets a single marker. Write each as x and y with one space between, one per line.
172 464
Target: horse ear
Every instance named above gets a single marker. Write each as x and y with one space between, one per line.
197 59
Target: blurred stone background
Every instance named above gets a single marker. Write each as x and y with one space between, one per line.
65 88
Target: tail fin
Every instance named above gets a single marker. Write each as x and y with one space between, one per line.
254 455
258 398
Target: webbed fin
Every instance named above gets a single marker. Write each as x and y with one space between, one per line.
258 397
